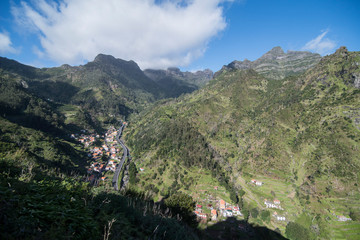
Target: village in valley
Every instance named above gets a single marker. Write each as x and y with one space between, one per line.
104 153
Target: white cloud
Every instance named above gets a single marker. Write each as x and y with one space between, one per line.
38 52
5 44
320 44
156 35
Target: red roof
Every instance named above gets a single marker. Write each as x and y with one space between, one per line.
202 215
222 204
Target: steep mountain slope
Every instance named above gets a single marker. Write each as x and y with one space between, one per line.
276 64
33 133
300 135
103 90
43 192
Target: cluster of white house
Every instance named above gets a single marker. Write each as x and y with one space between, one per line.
256 182
227 210
273 204
278 217
224 209
343 218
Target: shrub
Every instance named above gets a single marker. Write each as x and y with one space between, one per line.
254 212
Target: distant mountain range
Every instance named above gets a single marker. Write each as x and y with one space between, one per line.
106 85
198 78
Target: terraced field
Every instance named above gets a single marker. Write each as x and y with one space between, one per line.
293 211
345 230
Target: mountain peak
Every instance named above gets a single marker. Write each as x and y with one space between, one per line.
277 50
273 53
174 70
342 51
109 60
104 58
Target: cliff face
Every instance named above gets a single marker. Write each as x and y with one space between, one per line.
276 64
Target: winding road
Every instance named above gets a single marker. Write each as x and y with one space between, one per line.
115 181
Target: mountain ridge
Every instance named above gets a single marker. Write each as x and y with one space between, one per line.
198 78
104 86
276 64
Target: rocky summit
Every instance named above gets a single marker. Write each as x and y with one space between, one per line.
276 64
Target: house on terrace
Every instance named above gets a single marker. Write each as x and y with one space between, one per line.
213 215
222 204
270 204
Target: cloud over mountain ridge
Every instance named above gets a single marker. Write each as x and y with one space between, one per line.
154 34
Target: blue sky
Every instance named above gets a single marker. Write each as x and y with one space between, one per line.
193 34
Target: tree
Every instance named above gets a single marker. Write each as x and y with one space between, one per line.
241 193
254 212
273 193
234 197
245 213
181 201
295 231
182 204
265 215
354 215
132 173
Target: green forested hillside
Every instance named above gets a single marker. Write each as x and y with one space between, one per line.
103 90
43 189
299 135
